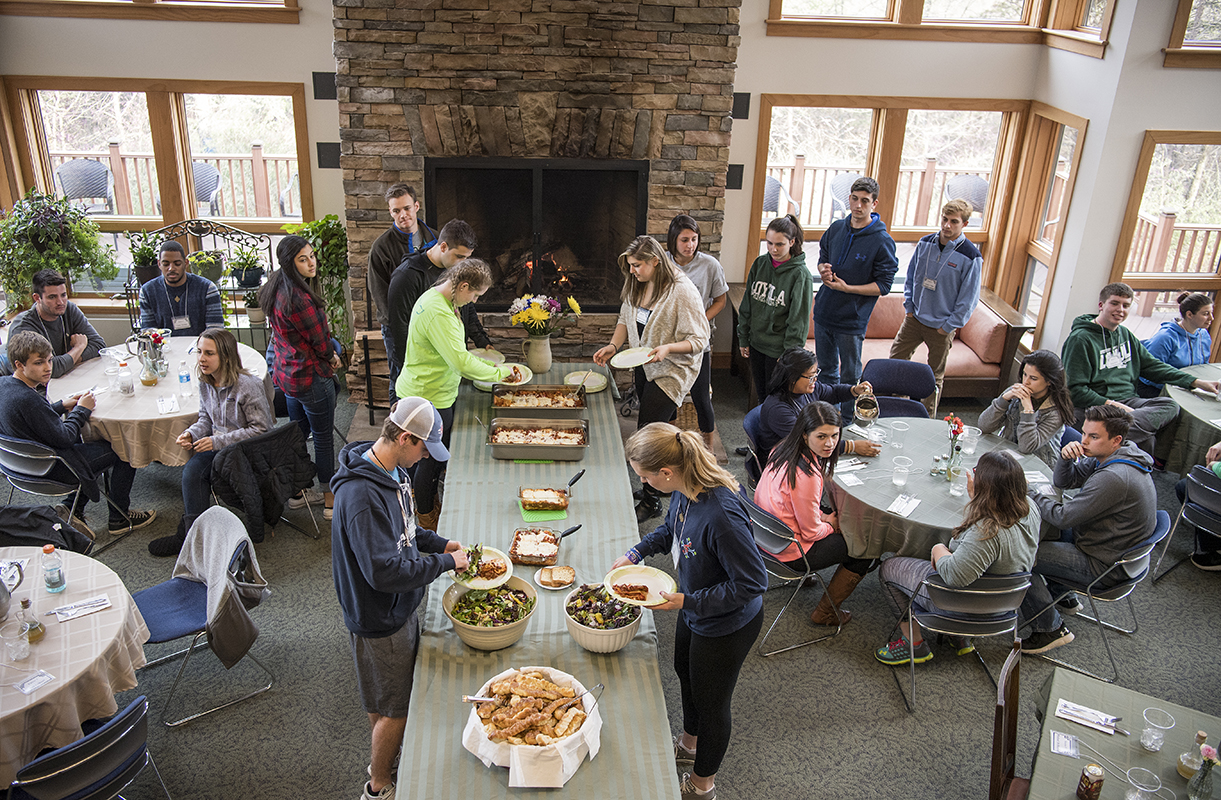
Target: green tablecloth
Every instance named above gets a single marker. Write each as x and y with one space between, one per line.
1196 431
636 759
870 530
1055 776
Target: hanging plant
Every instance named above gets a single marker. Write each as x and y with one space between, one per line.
45 232
329 238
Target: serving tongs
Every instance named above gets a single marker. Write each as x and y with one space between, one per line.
473 698
575 478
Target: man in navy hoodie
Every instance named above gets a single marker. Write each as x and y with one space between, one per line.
857 263
382 563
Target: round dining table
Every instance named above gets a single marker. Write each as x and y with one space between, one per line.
1199 425
90 657
871 530
135 425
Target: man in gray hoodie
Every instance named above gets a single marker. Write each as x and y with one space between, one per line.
1114 510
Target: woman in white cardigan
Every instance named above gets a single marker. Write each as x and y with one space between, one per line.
663 311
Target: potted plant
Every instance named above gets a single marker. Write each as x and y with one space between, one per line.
329 239
209 264
253 312
143 247
46 232
246 267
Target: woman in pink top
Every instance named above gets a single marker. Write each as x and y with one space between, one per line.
792 489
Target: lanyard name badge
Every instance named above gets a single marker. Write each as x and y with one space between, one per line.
180 323
408 522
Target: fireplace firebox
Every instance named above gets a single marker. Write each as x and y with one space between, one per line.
546 226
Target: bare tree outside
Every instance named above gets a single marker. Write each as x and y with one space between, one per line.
857 9
1092 18
1185 178
1204 24
992 10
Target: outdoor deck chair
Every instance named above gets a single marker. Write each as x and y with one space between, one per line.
841 187
85 179
971 188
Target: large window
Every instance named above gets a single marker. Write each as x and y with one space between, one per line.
179 10
142 154
1195 39
1171 236
1038 208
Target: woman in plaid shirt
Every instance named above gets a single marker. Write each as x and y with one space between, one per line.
305 358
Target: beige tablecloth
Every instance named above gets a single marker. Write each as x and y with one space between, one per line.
137 431
870 530
92 657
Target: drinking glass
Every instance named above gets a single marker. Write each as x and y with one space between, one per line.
969 439
1157 722
903 466
899 434
877 434
16 641
958 486
112 379
1142 784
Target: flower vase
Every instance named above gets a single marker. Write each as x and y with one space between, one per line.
536 350
955 463
1200 787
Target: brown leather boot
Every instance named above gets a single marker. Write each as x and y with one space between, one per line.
429 520
843 582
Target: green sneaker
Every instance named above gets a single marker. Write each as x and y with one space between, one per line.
900 652
962 645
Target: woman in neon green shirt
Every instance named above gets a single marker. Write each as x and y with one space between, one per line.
435 361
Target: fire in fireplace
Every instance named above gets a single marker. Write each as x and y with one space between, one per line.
549 226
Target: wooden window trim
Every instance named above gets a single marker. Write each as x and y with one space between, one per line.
1178 55
288 13
885 153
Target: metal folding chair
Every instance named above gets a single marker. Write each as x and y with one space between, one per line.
773 537
754 465
1202 509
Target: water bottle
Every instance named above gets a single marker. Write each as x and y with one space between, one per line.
184 379
127 384
53 569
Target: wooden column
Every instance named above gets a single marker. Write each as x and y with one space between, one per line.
924 200
1160 247
122 192
262 196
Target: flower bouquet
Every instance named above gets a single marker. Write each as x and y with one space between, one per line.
956 430
1200 787
539 314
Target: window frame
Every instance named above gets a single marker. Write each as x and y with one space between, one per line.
1034 168
26 159
884 157
283 12
1054 23
1161 282
1178 55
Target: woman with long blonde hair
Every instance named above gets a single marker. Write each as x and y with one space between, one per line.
233 406
663 311
721 580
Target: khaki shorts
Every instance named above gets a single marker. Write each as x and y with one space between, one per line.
385 669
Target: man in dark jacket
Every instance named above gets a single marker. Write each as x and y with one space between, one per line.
382 563
417 274
857 263
1113 511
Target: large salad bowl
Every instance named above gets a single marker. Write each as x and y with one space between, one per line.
483 637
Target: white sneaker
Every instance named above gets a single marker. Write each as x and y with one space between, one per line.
310 497
387 792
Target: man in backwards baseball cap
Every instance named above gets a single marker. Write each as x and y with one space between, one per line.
382 563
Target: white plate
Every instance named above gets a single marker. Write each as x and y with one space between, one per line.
479 583
594 381
494 356
527 376
631 357
542 585
655 579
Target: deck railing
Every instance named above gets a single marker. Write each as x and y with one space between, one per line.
1162 245
251 185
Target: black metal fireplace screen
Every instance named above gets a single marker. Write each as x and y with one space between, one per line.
546 226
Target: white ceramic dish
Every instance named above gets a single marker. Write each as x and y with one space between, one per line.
655 579
631 357
494 356
542 585
479 583
527 376
594 381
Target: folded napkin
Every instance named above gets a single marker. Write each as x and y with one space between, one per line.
1088 717
83 608
903 505
167 405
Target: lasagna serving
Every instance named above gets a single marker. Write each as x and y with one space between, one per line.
535 546
565 436
538 398
544 499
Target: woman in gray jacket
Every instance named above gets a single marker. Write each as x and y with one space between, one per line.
1032 414
663 311
233 406
999 535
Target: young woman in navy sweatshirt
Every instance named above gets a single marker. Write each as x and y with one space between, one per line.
721 580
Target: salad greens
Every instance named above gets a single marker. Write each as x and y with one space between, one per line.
492 607
474 553
593 607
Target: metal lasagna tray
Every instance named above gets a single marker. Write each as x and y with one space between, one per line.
576 412
541 452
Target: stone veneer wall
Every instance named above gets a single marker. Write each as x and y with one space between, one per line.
534 79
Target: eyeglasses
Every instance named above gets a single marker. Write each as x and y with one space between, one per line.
812 377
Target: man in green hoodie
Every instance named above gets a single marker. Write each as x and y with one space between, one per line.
1104 360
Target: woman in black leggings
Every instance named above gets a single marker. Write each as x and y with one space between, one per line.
721 580
662 310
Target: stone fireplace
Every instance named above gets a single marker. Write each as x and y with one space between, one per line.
534 80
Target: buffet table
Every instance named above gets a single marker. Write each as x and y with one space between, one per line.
636 759
1199 425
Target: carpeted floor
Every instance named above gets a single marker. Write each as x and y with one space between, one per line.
822 722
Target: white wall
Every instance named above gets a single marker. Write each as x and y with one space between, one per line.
194 51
